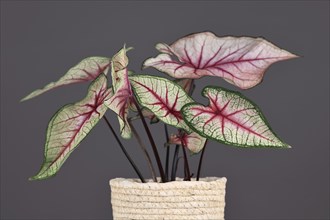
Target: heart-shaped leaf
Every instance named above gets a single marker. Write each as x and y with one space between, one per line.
70 125
241 61
122 92
162 97
87 70
186 84
230 118
194 142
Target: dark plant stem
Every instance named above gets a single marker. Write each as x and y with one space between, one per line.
175 162
200 162
176 152
145 152
167 151
186 165
152 142
187 170
124 150
191 90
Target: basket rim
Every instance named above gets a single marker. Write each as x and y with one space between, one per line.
179 183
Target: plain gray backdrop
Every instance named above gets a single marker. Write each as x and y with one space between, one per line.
41 40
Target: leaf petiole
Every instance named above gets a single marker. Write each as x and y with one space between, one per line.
186 165
200 162
175 162
124 150
152 142
145 152
167 151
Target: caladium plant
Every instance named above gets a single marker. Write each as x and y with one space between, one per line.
230 118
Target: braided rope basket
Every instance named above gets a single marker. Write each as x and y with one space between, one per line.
203 199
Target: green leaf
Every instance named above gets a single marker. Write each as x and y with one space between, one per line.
231 119
162 97
87 70
70 125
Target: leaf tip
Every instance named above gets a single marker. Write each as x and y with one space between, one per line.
145 64
286 55
41 176
33 178
130 48
292 55
29 96
285 146
23 99
38 176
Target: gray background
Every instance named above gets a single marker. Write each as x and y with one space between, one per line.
41 40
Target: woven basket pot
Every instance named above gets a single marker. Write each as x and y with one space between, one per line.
203 199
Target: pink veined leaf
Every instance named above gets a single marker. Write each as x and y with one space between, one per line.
231 119
186 84
87 70
242 61
162 97
194 142
119 104
122 92
70 125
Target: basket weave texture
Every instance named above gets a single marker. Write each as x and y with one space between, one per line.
203 199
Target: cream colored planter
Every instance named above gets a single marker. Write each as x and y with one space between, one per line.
203 199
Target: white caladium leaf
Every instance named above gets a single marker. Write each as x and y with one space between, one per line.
120 62
87 70
120 59
230 118
186 84
193 141
70 125
241 61
162 97
122 92
119 104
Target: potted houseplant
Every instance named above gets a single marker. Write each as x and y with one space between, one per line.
229 118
